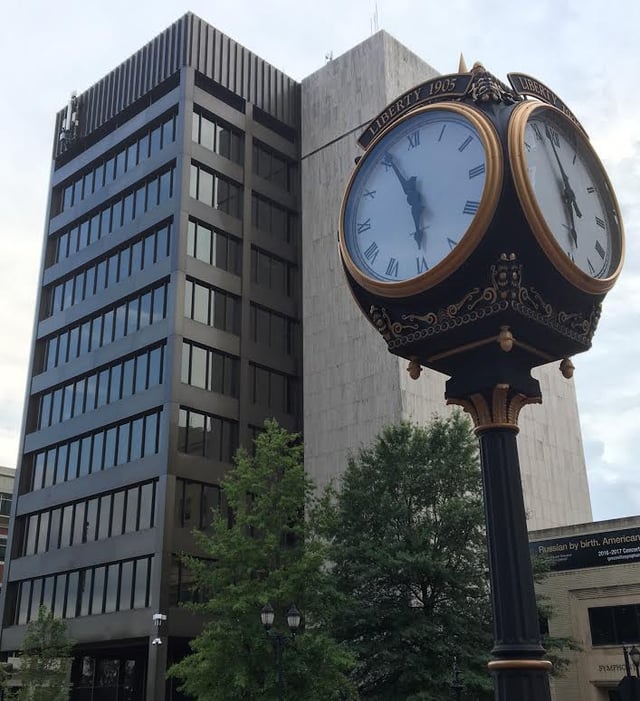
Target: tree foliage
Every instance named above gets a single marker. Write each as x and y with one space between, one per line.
409 555
266 555
44 661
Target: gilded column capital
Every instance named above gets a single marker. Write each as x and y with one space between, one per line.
497 407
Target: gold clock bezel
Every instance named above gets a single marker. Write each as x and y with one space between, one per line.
471 237
536 219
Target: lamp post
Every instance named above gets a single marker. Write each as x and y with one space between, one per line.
280 640
629 687
456 684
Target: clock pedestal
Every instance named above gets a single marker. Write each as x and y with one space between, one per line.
518 668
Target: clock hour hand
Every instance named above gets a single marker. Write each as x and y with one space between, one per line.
414 198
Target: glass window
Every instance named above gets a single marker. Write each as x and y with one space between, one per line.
85 456
137 434
205 187
201 304
151 434
131 514
72 466
199 367
203 244
72 595
91 524
98 590
31 535
123 444
145 310
104 518
54 529
126 583
111 589
141 588
79 523
84 583
132 318
127 377
23 606
141 372
36 597
43 532
117 514
97 453
66 528
110 448
60 595
146 506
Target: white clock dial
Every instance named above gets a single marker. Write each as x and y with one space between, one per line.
415 195
566 194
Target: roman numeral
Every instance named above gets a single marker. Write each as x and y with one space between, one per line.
414 140
392 268
465 143
372 252
369 193
474 172
570 254
364 226
452 243
537 132
470 207
600 223
600 250
421 264
444 126
591 189
592 270
527 146
386 162
553 135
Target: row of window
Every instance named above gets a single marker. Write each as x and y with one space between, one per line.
615 625
273 272
139 253
211 306
207 435
118 586
273 390
182 585
214 247
270 165
215 190
210 369
128 376
217 136
268 328
106 516
273 218
132 203
128 155
107 447
195 503
106 326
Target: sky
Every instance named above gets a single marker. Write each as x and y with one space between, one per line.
586 51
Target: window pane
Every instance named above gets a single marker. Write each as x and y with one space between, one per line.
79 521
117 514
151 434
65 531
140 599
131 515
146 506
98 590
72 595
126 583
104 519
111 589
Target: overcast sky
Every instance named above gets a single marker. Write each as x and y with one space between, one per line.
587 51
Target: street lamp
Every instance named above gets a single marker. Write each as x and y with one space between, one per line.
280 640
456 684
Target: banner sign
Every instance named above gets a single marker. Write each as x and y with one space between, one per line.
592 550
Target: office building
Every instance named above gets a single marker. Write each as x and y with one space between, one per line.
593 588
189 282
7 476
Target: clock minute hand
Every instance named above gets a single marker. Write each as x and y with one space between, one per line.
568 195
414 198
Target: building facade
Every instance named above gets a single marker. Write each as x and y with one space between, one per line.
7 477
189 257
593 588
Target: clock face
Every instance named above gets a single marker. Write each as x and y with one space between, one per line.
415 195
566 195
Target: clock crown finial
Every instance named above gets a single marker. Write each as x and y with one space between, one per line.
462 66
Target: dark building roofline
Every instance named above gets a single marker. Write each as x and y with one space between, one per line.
190 41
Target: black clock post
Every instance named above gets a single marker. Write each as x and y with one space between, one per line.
479 234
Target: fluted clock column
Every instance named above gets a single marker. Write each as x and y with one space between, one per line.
520 673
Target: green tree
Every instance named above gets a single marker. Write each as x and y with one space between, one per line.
267 555
409 556
44 660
